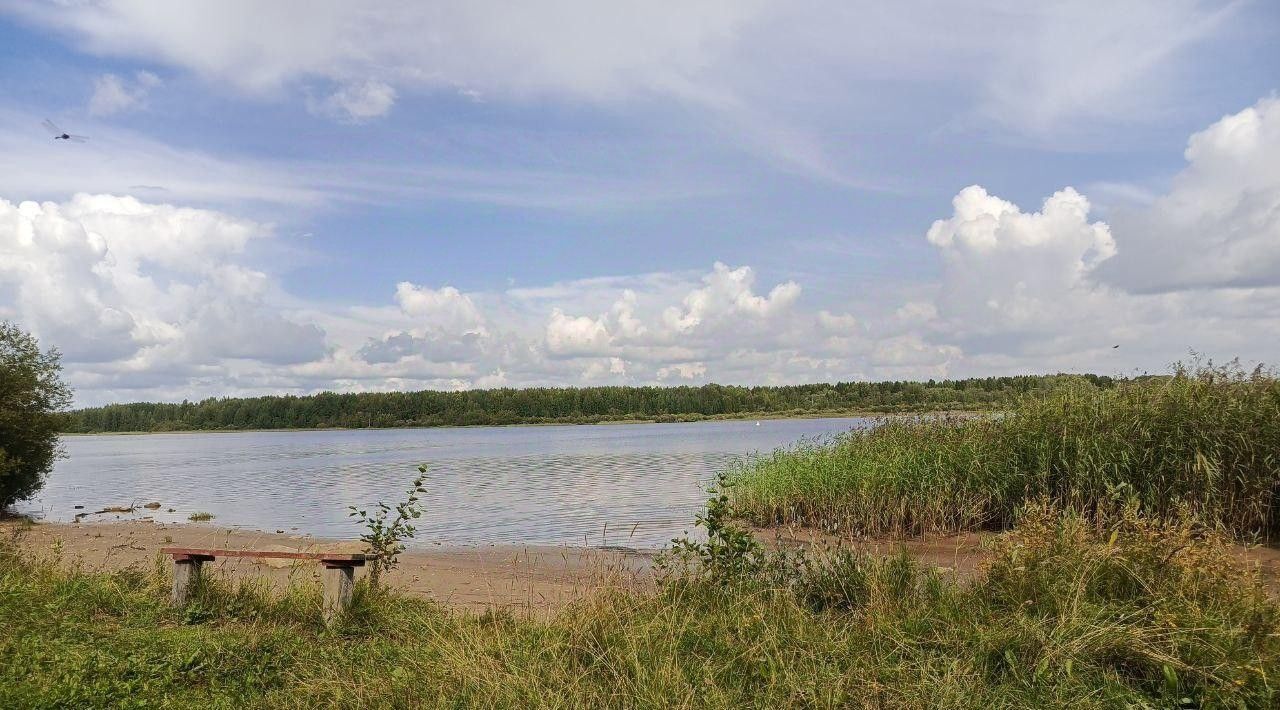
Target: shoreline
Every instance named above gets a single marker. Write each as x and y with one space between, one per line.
773 416
537 580
528 578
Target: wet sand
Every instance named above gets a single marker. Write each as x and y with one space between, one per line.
534 579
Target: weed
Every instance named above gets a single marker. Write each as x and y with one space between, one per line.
728 553
385 539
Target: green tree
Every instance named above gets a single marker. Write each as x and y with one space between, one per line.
32 396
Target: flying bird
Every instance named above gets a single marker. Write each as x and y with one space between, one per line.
60 135
1113 347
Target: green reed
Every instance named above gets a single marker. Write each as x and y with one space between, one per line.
1207 438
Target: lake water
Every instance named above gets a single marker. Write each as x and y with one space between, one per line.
633 485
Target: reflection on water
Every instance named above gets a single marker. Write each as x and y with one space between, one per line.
636 485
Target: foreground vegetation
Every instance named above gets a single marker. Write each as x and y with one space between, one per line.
1108 610
559 405
1206 437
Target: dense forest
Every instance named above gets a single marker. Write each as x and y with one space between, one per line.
544 405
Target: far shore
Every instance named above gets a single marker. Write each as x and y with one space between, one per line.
774 416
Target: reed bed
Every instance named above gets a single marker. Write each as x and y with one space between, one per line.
1206 439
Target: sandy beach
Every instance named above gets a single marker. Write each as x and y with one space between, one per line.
514 577
530 579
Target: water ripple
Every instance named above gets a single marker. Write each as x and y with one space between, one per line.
634 485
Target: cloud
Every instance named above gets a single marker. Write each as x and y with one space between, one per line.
445 326
563 47
1022 291
1085 61
119 161
567 335
1219 225
112 94
356 102
444 308
1010 271
759 70
118 284
683 370
728 293
153 300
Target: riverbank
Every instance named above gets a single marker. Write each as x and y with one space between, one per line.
514 577
1064 611
538 578
481 577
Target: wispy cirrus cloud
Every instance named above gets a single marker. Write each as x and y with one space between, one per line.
784 82
123 161
113 94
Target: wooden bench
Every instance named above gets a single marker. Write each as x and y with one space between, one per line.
339 575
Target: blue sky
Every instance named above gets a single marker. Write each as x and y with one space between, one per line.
304 196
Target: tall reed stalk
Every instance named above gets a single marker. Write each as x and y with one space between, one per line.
1205 437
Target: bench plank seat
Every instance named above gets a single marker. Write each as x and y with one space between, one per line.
355 558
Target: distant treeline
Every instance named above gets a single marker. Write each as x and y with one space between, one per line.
545 405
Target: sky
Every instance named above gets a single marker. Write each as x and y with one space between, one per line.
300 196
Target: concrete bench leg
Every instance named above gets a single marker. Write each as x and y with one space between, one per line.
186 573
339 582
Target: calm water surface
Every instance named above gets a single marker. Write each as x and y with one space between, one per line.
635 485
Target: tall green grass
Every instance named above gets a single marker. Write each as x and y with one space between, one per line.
1207 439
1071 611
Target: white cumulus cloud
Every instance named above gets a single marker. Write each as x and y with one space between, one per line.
114 280
1219 225
728 293
160 301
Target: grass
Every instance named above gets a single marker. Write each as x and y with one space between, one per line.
1205 438
200 517
1071 611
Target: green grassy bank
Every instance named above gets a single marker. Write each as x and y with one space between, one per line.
1206 439
1105 611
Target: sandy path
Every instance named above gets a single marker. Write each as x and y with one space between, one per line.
521 578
